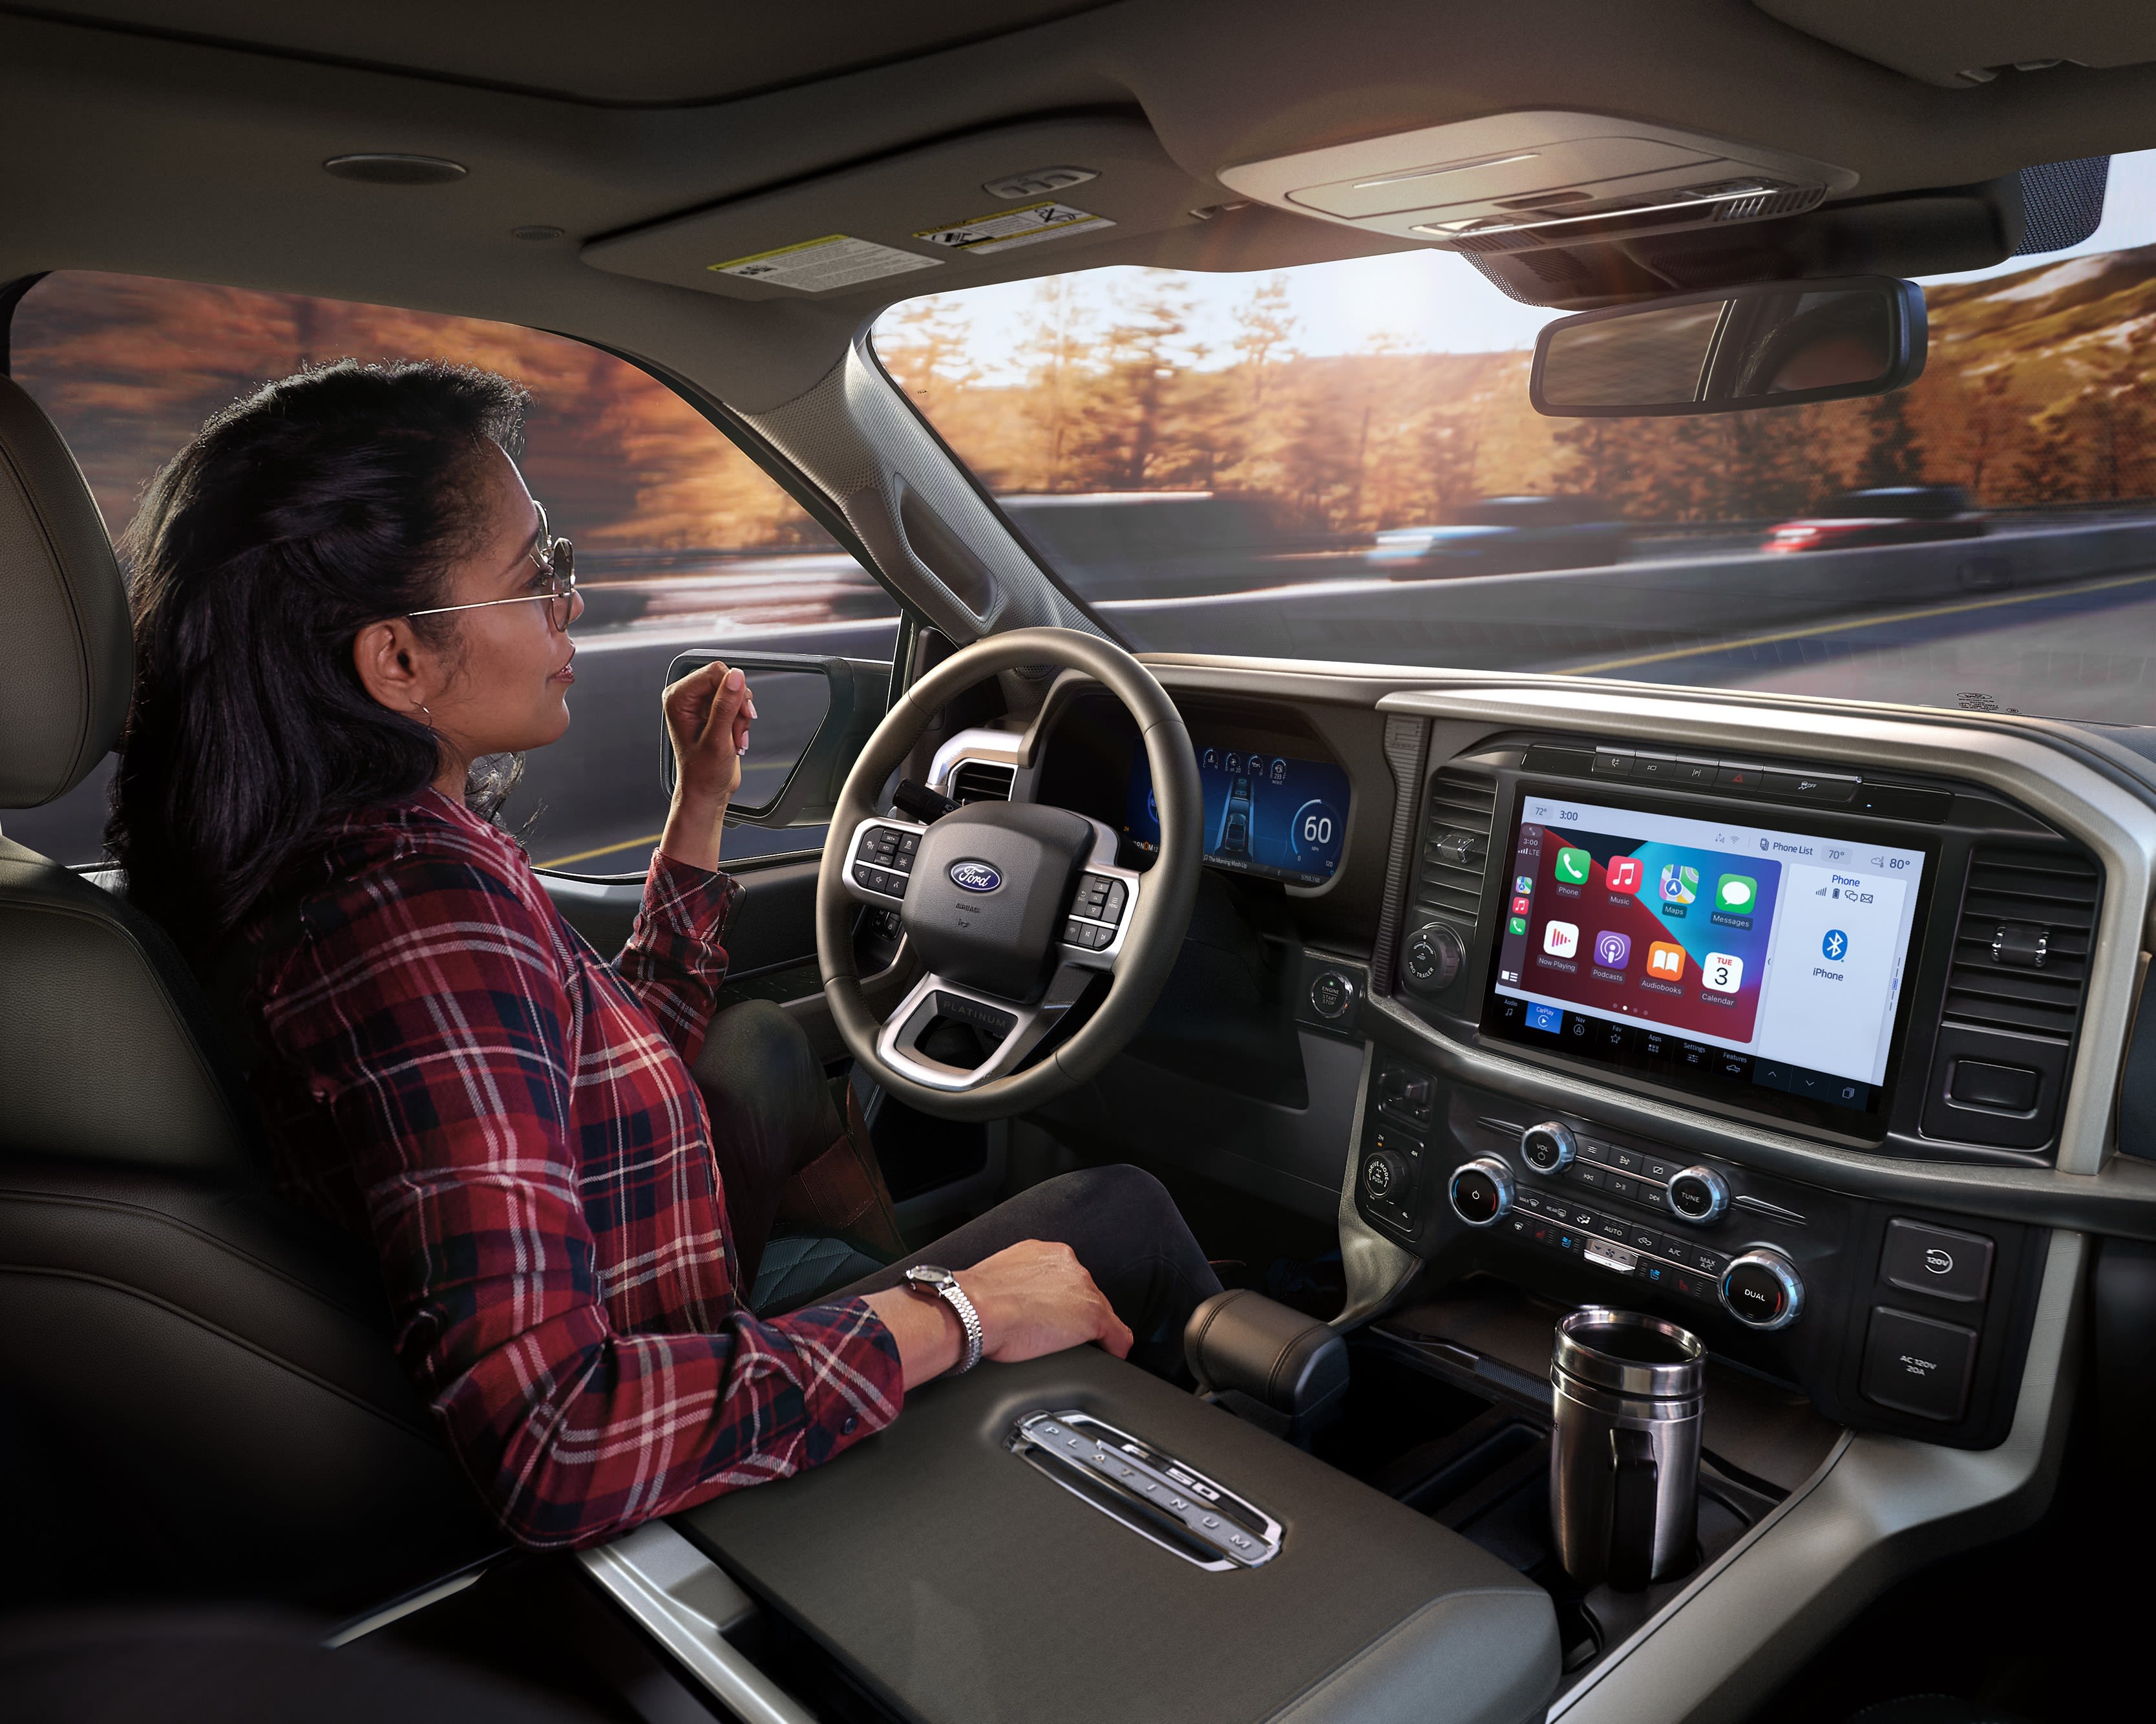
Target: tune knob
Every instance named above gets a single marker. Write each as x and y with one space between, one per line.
1698 1195
1385 1175
1761 1289
1548 1147
1480 1191
1432 956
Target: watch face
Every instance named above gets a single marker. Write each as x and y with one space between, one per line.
928 1276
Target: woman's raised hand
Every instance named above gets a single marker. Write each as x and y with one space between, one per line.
708 715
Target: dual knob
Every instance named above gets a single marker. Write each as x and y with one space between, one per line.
1760 1288
1698 1195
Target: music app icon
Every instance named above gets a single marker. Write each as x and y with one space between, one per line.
1624 873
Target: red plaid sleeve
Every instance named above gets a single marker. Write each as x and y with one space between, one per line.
492 1129
675 960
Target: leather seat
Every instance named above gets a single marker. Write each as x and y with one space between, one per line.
196 1391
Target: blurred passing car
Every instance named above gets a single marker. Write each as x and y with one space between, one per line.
1886 515
1505 535
1150 544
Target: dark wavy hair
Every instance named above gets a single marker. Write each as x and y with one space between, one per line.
317 505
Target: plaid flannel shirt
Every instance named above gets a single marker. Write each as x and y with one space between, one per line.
450 1071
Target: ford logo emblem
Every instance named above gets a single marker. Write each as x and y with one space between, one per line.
975 876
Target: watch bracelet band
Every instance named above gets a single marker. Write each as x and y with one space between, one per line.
969 1319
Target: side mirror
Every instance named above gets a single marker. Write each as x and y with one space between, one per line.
814 717
1767 344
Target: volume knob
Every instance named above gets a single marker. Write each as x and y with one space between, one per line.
1480 1191
1548 1147
1761 1289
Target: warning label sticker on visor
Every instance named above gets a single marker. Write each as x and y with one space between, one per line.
818 266
1005 229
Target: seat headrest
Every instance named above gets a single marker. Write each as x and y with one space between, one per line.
70 652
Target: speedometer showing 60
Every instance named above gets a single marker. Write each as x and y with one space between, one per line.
1314 836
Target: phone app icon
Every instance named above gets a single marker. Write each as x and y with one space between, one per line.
1571 866
1612 950
1722 973
1738 893
1524 882
1561 940
1665 961
1625 872
1680 883
1518 924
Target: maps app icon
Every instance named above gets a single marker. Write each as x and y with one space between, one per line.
1680 884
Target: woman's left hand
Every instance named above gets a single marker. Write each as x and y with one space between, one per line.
708 715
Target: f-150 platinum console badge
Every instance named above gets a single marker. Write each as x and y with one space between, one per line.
975 876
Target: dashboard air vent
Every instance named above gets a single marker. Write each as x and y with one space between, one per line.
1455 845
982 781
2021 952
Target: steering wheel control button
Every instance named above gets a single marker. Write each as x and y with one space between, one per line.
1918 1365
1698 1195
1548 1147
1761 1290
1481 1192
1432 956
1332 995
1948 1265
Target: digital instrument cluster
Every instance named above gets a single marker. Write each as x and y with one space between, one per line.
1265 814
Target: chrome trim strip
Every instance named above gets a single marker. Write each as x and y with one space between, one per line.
410 1605
1127 1479
2118 827
685 1602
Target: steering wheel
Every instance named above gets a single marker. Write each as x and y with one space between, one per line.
1012 908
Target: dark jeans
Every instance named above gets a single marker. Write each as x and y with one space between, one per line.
773 1115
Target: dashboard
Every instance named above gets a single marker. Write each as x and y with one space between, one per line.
1776 1022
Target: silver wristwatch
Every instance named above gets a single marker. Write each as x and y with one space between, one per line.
932 1283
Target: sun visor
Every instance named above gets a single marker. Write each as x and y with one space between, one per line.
1510 183
1957 42
984 207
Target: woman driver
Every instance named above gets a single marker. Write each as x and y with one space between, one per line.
346 602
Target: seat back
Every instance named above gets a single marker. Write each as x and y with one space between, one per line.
197 1393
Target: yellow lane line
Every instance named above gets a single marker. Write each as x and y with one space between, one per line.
562 861
1861 622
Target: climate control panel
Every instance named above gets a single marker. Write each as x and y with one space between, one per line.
1887 1318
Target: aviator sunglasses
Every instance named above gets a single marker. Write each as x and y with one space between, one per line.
554 558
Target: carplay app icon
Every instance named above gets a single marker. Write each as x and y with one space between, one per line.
1680 883
1665 961
1561 940
1518 924
1722 972
1571 866
1624 873
1612 950
1524 882
1736 894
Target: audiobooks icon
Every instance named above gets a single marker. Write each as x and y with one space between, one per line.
1665 961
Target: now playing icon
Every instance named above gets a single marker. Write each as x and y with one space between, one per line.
1835 945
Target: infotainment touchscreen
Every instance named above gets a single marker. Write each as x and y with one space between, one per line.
1264 813
1701 947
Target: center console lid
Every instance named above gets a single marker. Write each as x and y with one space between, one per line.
960 1580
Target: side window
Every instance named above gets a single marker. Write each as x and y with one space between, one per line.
682 540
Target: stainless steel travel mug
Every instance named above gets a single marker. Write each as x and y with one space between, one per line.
1627 1390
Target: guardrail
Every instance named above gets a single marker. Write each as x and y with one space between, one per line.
1552 618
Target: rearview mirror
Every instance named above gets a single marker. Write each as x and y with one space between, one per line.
1767 344
814 715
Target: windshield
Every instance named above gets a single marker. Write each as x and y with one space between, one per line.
1340 461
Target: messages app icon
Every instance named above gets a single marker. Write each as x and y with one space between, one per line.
1735 892
1571 866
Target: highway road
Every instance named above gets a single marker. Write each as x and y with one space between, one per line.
2084 648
